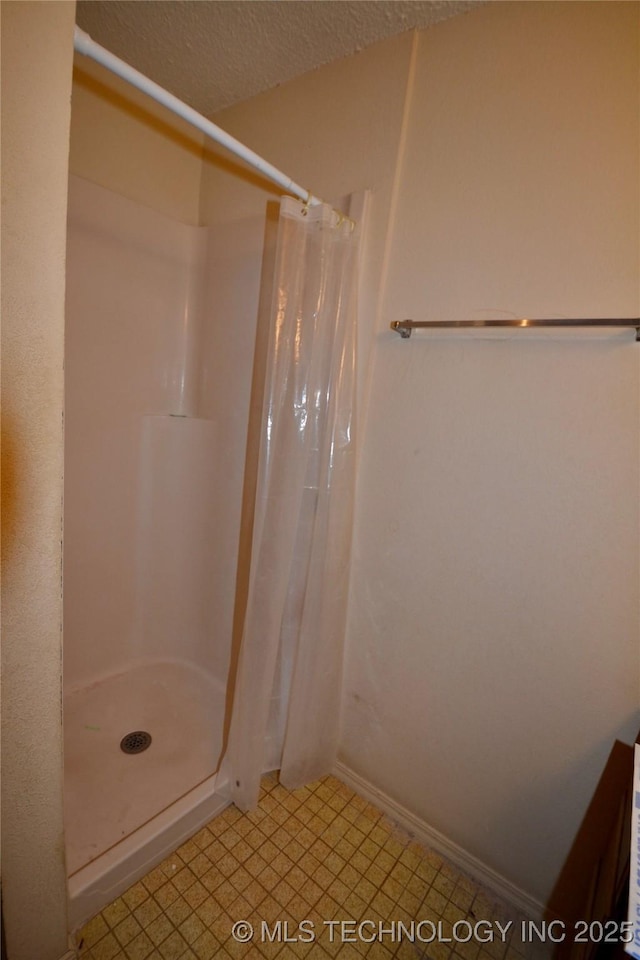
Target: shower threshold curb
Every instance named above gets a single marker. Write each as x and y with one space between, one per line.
100 882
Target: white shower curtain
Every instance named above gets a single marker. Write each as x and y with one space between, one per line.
288 681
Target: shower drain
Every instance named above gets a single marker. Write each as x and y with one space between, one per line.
135 742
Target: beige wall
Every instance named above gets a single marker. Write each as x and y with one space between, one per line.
519 187
493 651
37 50
124 141
493 639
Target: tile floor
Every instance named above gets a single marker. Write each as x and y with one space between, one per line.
295 869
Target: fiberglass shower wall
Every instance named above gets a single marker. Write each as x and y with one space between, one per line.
142 455
140 463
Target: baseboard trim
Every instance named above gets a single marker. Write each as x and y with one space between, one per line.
426 834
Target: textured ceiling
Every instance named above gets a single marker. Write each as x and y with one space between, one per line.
213 53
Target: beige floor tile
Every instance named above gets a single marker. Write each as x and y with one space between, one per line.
126 930
206 947
135 895
165 895
147 912
159 929
106 949
196 895
140 948
178 911
174 947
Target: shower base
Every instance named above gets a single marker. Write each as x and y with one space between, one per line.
126 812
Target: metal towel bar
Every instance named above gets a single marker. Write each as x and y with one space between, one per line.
404 327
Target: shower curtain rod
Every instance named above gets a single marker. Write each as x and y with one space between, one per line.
404 327
83 43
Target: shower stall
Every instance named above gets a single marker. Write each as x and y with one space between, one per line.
148 576
172 486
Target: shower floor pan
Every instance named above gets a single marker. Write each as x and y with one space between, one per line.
126 812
